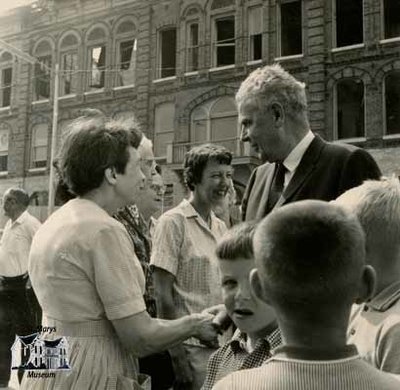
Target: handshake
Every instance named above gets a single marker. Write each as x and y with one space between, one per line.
210 323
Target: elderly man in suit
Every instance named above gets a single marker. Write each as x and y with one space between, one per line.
299 164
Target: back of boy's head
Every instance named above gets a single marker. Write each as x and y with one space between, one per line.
376 203
237 243
309 254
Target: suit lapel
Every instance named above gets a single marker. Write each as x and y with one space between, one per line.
269 174
306 166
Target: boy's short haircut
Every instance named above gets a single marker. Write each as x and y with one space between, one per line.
310 255
197 158
237 243
376 204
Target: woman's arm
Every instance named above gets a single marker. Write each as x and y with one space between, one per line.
144 335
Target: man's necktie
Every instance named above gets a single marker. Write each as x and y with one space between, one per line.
277 185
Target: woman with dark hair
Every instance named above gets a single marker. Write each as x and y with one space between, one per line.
186 271
84 270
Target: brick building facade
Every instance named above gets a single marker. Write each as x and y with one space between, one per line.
177 64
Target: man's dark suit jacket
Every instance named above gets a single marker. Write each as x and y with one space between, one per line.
326 170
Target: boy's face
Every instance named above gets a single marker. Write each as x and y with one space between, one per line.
250 314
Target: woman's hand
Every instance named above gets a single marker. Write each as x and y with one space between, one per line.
205 330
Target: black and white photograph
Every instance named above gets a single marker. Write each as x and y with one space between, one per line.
200 194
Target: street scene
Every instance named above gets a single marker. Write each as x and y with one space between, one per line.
200 194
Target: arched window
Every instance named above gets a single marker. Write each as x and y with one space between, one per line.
215 121
392 102
39 145
6 67
96 42
43 53
350 108
4 137
126 43
69 64
163 128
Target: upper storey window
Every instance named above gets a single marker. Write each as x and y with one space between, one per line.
96 59
290 33
224 36
255 23
391 15
127 50
69 64
167 52
349 22
6 68
43 53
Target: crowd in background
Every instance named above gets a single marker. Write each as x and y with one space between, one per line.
198 299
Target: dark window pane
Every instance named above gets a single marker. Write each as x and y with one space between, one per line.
42 78
125 52
350 109
349 22
392 98
291 32
256 47
392 18
225 44
225 55
6 79
168 52
226 30
3 163
193 48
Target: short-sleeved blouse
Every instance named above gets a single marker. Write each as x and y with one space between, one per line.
85 273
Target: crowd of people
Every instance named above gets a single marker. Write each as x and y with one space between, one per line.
303 294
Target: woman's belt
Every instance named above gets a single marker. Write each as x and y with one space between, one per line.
78 329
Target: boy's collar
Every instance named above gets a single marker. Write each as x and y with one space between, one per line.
272 340
304 353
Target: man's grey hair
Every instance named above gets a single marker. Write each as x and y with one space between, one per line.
271 83
20 196
377 206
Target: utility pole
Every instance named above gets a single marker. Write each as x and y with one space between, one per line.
32 60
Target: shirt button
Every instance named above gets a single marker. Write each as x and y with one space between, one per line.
353 332
365 308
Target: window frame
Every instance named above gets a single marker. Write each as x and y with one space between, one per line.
33 147
7 64
384 109
335 111
279 28
4 127
90 45
159 68
218 16
250 47
120 38
334 29
69 49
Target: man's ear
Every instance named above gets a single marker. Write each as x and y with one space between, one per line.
277 113
110 176
255 285
367 285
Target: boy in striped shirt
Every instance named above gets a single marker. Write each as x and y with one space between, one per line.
310 259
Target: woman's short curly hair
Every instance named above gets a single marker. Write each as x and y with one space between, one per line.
91 145
196 160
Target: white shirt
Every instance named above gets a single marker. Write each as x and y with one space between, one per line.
16 243
292 161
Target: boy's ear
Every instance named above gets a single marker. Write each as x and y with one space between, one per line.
110 176
367 285
255 285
